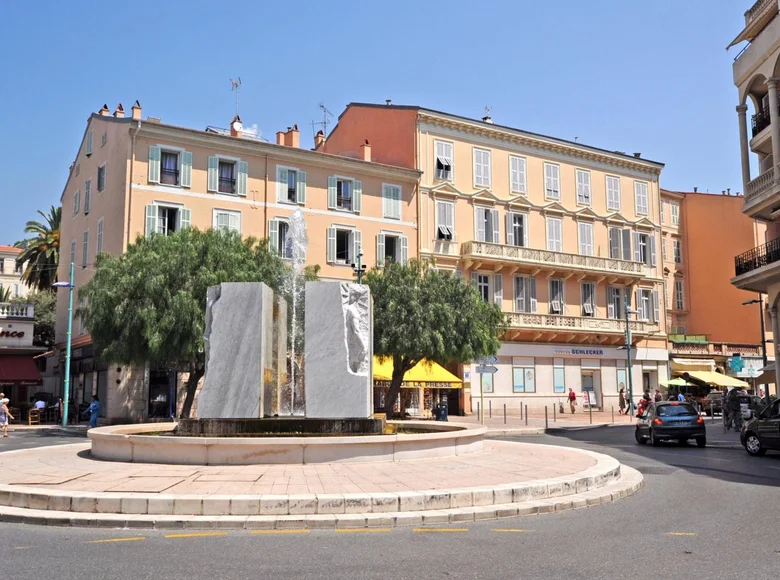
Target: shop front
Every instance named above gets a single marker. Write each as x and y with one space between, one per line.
425 386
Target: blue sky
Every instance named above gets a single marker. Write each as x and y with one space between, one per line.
650 76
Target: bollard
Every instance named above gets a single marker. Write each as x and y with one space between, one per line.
504 413
546 424
613 413
590 408
555 414
526 415
490 409
521 411
712 414
479 415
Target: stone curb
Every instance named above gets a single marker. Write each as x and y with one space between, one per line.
606 471
630 482
494 433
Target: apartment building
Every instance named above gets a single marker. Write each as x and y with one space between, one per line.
756 70
561 235
708 319
133 177
11 272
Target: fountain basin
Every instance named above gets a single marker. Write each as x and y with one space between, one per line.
279 426
133 443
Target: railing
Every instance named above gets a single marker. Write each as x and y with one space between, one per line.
760 185
576 323
761 120
445 247
8 310
227 185
169 176
678 348
716 348
756 9
545 257
344 202
756 258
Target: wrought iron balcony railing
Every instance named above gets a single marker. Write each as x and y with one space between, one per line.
756 258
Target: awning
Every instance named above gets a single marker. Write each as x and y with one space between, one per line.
692 364
18 370
718 379
424 374
678 382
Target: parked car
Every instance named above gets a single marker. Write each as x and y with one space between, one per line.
712 403
670 421
762 432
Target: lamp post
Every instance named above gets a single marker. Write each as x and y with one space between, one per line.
628 311
69 285
359 268
760 301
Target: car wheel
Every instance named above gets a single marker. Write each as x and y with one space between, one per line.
639 439
653 441
753 445
709 413
701 441
683 443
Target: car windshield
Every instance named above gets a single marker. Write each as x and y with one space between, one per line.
676 410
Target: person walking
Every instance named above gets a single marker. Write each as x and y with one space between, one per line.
94 412
572 400
658 396
622 401
5 414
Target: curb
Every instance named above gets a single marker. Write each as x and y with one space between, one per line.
629 483
522 432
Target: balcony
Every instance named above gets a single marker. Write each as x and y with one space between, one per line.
762 195
758 268
760 32
760 120
479 253
10 311
568 327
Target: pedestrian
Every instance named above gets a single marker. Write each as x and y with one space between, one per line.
622 401
5 414
680 397
644 403
658 396
94 411
572 400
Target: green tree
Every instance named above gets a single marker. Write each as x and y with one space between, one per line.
45 304
5 294
41 251
149 303
421 313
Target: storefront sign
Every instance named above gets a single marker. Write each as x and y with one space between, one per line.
579 351
11 333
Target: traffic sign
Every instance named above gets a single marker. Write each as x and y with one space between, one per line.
486 369
488 360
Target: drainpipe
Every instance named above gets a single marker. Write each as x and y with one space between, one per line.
265 200
130 189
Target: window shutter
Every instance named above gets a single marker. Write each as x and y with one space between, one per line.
281 184
474 278
76 201
154 164
656 310
357 240
532 294
151 220
300 188
404 250
380 250
479 223
357 196
524 219
87 196
496 228
99 246
234 222
610 303
213 176
519 294
243 174
626 233
273 239
85 250
477 167
186 169
498 289
510 229
637 249
652 249
185 218
88 147
614 243
637 297
332 198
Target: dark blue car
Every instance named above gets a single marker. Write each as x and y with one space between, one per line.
671 421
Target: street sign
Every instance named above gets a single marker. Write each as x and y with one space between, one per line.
488 360
486 369
736 363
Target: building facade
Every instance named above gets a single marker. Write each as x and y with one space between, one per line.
134 177
561 235
11 273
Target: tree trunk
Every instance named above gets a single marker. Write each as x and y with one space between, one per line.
400 368
192 385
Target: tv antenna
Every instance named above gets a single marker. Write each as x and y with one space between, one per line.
326 115
235 85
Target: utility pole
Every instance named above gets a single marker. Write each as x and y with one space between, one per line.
69 285
628 360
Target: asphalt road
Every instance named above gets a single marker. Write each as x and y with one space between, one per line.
703 514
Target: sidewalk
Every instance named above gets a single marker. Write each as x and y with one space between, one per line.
534 423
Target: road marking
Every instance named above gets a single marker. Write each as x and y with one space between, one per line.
197 535
22 547
681 533
113 540
364 530
274 532
511 530
437 530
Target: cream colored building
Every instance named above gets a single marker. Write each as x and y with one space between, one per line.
559 234
11 272
133 177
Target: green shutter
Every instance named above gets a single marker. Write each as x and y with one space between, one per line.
380 250
186 169
332 195
357 240
151 220
213 176
281 184
273 236
88 147
243 171
331 245
357 196
404 250
300 188
185 218
154 164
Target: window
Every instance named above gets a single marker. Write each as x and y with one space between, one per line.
391 201
556 296
85 249
283 240
169 168
620 243
525 294
523 379
291 185
667 298
104 139
588 299
586 238
444 159
229 176
675 210
18 267
517 174
552 181
483 285
344 194
165 219
101 178
486 225
481 168
559 376
614 302
583 187
73 252
647 305
226 221
640 197
87 196
663 212
486 382
622 379
554 234
663 248
516 229
644 248
343 245
613 193
76 201
226 177
88 145
677 246
391 248
99 243
679 297
445 220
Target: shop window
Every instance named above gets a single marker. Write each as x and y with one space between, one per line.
524 380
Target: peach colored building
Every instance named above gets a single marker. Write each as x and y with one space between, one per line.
136 177
559 234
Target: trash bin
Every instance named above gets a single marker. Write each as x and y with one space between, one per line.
443 412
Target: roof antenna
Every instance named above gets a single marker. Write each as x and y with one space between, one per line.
235 86
326 115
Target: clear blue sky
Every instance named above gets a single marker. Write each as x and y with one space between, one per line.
650 76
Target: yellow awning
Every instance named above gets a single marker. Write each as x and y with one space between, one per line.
423 374
718 379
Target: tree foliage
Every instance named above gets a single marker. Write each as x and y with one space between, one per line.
45 309
421 313
149 303
41 251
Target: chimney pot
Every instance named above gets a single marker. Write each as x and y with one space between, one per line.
292 138
388 102
236 127
695 189
319 139
487 119
136 110
104 111
637 155
366 150
119 112
728 191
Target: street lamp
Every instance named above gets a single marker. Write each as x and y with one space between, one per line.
760 300
359 268
627 347
69 285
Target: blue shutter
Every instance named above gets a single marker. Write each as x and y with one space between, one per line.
273 236
243 172
332 200
357 196
213 176
300 188
186 169
380 250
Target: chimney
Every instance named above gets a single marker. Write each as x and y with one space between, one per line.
280 137
236 127
119 113
695 189
637 155
136 110
723 192
728 191
365 149
104 111
292 138
487 119
388 102
319 139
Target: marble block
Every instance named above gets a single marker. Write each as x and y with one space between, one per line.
338 351
238 338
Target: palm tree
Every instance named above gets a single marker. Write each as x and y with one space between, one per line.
42 251
5 294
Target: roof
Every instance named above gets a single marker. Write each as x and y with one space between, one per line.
245 135
506 127
10 249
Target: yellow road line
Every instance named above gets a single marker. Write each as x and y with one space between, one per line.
436 530
363 530
113 540
274 532
681 533
511 530
197 535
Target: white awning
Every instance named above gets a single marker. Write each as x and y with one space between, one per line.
693 364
